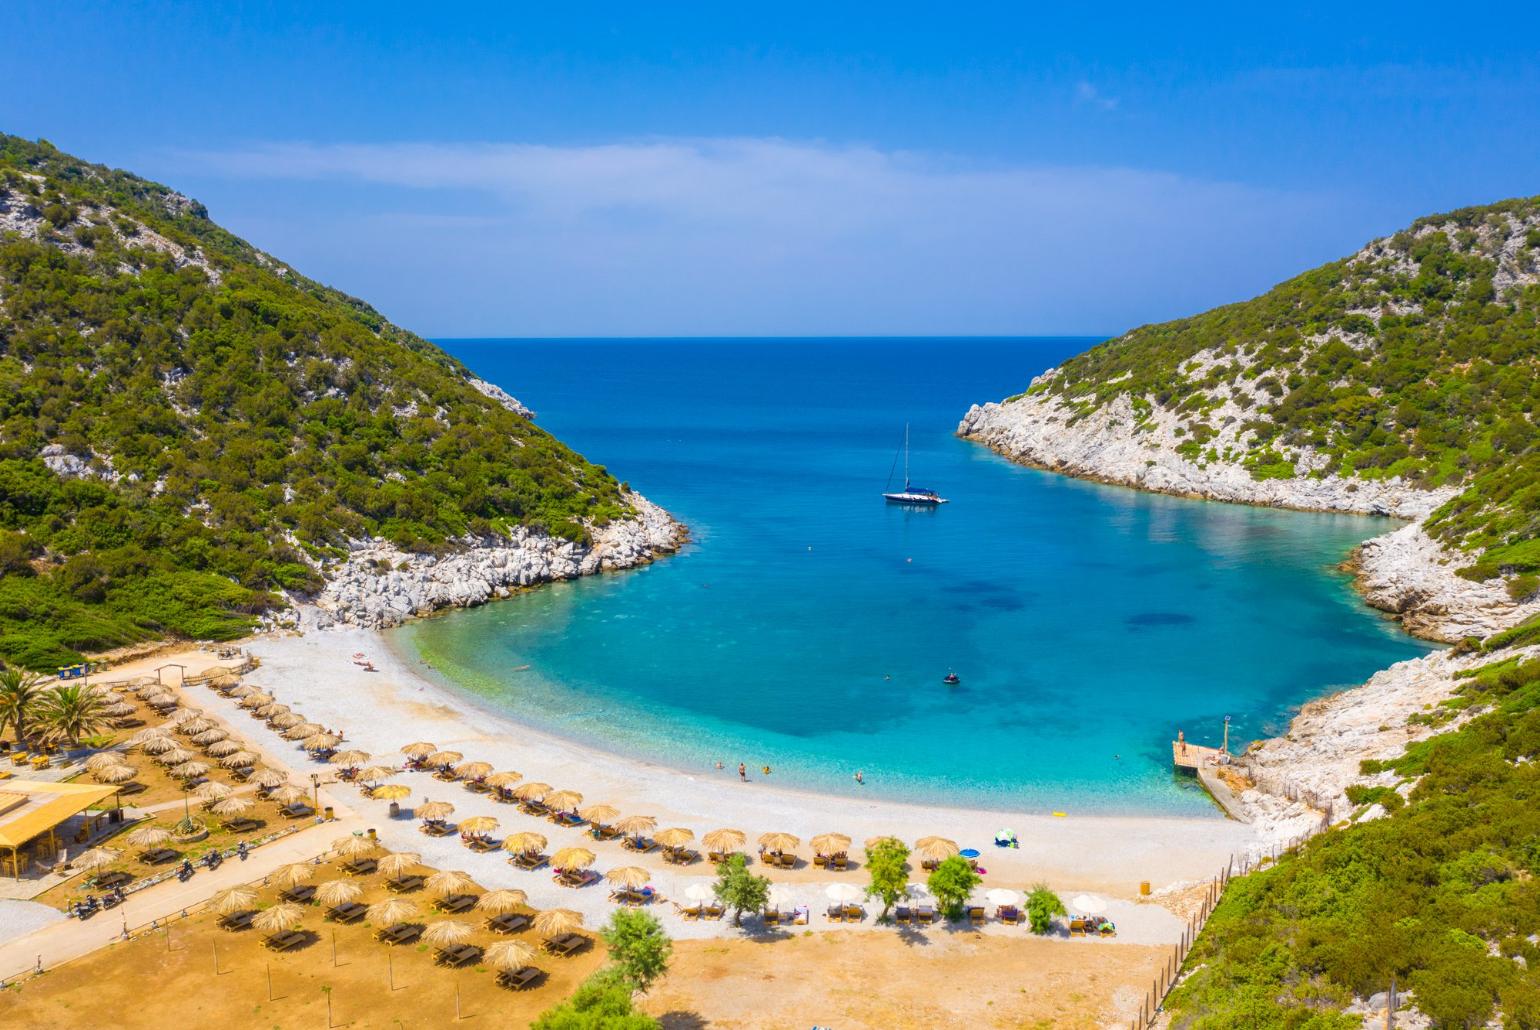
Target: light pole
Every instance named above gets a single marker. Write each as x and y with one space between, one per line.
315 791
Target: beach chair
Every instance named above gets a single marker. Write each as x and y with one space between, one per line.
693 912
835 913
286 940
566 819
535 808
159 856
296 810
820 861
1077 927
772 917
1008 914
404 884
839 863
360 867
640 845
903 916
716 857
715 911
682 856
435 828
457 955
456 903
577 877
854 914
528 860
520 979
400 933
237 920
976 915
348 912
243 824
925 914
300 894
483 845
567 944
509 922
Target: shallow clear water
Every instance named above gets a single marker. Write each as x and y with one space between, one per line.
809 625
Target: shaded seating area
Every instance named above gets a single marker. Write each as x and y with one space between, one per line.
576 877
237 920
457 955
399 933
509 922
1009 914
456 903
116 878
405 883
285 940
520 979
360 867
159 856
300 894
903 915
567 944
347 912
243 824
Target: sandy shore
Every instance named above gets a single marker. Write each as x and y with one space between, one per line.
382 710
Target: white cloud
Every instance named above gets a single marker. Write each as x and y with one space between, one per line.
757 236
1089 94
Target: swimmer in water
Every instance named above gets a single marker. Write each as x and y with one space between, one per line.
767 770
860 778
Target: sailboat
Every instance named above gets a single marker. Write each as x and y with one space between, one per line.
911 494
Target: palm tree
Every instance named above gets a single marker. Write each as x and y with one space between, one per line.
20 695
71 712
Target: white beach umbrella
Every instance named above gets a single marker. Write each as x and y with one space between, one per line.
842 892
1087 904
780 894
1001 896
917 891
699 892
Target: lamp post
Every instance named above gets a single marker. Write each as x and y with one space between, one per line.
315 790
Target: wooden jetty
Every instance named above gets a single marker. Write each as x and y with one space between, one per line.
1205 763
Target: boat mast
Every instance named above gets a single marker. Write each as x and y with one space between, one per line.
906 457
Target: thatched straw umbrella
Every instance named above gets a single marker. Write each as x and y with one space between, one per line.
254 700
375 773
118 709
509 956
211 736
935 849
524 843
503 780
246 690
778 841
434 811
725 841
271 709
103 760
286 721
446 882
600 815
232 806
830 844
151 733
391 792
562 800
115 774
390 911
674 837
478 824
628 876
350 759
531 791
446 933
222 748
294 874
190 770
193 727
220 680
150 836
96 858
473 770
399 863
320 741
233 899
421 749
353 846
174 756
186 715
500 902
288 794
338 892
442 758
572 858
212 791
636 825
239 759
268 777
303 730
283 916
554 922
158 745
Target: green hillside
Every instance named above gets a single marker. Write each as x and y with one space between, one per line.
187 425
1418 357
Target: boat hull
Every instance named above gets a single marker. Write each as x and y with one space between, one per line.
928 501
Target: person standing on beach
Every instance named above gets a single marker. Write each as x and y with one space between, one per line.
743 772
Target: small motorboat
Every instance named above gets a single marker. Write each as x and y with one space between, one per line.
951 679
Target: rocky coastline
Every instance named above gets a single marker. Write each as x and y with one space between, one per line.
1297 778
380 585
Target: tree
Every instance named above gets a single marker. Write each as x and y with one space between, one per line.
951 882
639 949
1042 905
70 712
603 1002
20 694
888 866
739 889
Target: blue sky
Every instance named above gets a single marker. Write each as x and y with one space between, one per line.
798 169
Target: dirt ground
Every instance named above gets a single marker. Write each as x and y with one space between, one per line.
886 980
146 984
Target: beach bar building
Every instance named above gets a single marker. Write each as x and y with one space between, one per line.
31 812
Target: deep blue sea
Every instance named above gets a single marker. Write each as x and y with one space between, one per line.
809 624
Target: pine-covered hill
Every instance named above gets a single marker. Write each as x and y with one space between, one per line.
1418 358
187 425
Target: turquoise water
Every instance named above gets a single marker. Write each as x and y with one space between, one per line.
809 625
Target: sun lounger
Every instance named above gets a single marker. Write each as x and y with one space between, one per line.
925 914
772 917
567 944
477 786
603 832
903 916
854 914
297 810
159 856
286 940
640 845
509 922
681 856
628 896
243 825
132 787
128 722
976 915
528 860
716 857
786 861
436 828
520 979
836 913
404 884
1008 914
401 933
839 863
457 903
1077 927
446 775
116 878
534 808
483 845
693 912
237 920
348 912
820 861
300 894
577 877
457 955
1107 929
566 819
360 867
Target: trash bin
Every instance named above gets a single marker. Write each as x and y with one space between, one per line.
395 809
1144 888
329 815
372 834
